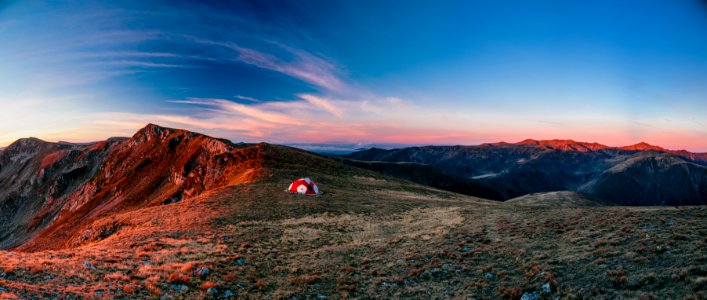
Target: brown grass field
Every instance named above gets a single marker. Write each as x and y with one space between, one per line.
370 236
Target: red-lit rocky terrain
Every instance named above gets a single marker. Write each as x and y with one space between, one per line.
53 192
36 176
173 214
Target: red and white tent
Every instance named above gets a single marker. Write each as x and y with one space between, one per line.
304 186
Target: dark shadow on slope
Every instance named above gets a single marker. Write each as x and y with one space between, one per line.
427 175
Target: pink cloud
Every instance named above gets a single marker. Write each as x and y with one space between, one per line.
323 103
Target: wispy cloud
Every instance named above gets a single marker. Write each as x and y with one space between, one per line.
322 103
138 64
241 110
303 65
246 98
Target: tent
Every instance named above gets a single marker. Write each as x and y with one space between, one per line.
304 186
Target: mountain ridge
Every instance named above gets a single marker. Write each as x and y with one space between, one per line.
61 189
572 145
531 166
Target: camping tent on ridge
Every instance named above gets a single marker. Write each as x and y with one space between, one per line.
303 186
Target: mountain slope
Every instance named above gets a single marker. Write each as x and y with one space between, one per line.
649 179
512 170
34 175
428 175
531 166
156 166
556 199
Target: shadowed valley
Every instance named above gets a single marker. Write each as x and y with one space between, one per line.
634 175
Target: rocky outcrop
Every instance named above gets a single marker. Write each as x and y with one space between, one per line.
36 175
51 192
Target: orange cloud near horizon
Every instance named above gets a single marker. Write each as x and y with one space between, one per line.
369 134
317 119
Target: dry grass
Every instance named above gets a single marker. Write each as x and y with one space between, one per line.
404 242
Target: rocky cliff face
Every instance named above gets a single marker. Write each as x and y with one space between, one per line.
51 192
35 175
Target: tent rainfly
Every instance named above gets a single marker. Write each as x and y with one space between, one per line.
304 186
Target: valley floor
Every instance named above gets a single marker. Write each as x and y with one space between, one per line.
255 241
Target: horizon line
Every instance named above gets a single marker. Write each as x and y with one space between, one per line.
363 144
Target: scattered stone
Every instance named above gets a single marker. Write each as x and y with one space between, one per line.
212 291
388 284
447 266
547 289
2 289
203 272
633 283
180 288
89 265
227 294
489 276
240 261
531 296
48 277
99 292
660 249
650 228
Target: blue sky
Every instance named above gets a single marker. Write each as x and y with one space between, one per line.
415 72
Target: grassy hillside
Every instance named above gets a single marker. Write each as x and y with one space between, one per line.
369 236
557 199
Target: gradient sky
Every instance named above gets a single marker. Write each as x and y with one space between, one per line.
411 72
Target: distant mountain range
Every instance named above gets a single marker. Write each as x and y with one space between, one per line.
342 148
640 174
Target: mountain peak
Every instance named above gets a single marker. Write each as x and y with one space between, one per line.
25 143
642 146
153 131
151 128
